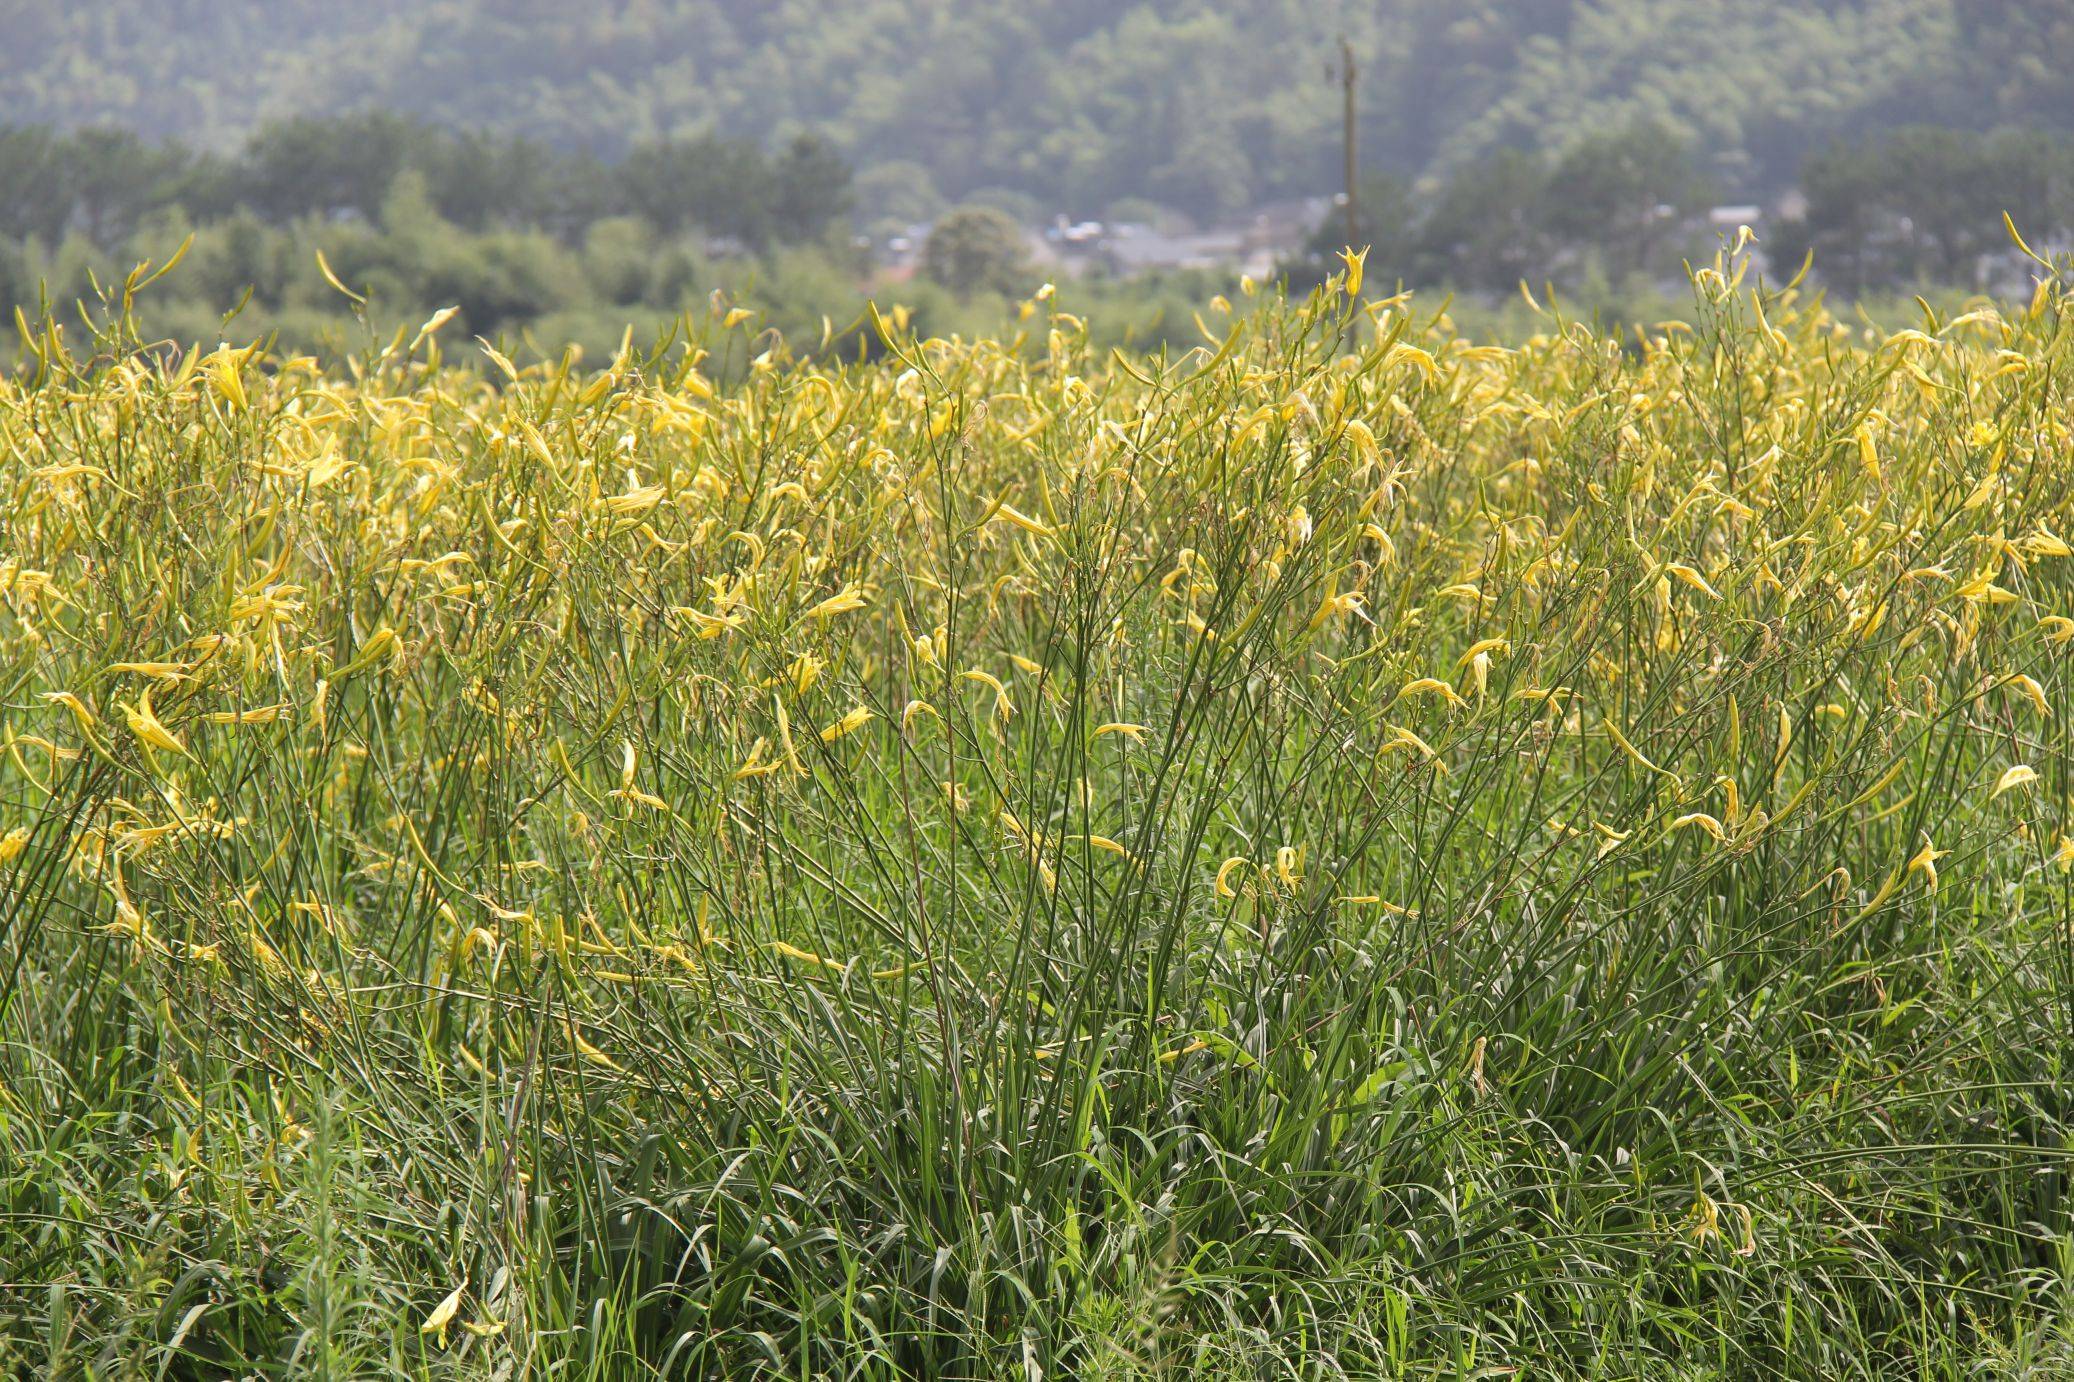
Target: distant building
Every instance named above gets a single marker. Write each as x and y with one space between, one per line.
1131 249
1255 243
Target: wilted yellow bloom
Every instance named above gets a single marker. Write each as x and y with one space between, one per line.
145 725
710 626
805 671
754 765
256 715
638 499
1868 453
1483 647
1402 738
442 1316
1703 821
1106 845
223 367
432 325
1981 589
627 791
2022 775
855 720
1224 872
1430 686
1693 578
1003 706
1349 603
592 1053
2032 691
83 716
157 671
379 644
2044 543
1008 513
1925 863
842 602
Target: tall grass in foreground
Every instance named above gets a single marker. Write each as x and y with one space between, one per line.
1348 854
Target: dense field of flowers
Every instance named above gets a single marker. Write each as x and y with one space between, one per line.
1347 852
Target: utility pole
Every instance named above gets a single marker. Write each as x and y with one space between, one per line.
1353 162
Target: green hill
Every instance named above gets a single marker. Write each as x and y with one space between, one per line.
1073 102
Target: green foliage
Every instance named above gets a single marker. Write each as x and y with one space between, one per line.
104 182
1393 858
1625 192
976 249
897 194
323 166
1922 204
506 231
1077 102
1387 213
1619 204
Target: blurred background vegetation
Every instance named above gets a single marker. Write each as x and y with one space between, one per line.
1201 106
560 170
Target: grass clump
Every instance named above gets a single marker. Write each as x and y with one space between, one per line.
1344 853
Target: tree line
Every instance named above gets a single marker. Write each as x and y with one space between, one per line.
104 182
1917 206
521 236
515 233
1208 108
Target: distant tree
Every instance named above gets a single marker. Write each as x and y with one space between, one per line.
237 253
1206 107
112 178
33 198
1017 206
897 194
1386 221
1844 191
976 249
17 279
502 279
1623 194
209 187
617 254
1144 211
581 189
326 166
1952 187
809 189
1924 204
479 179
723 186
1389 226
1206 173
1484 229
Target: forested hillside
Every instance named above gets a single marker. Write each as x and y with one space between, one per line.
1199 106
